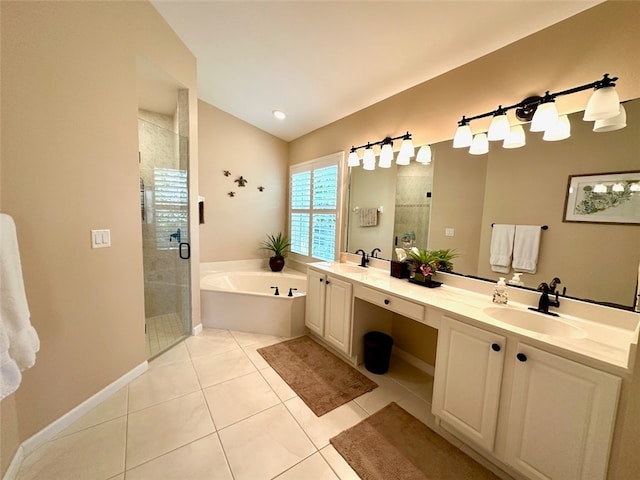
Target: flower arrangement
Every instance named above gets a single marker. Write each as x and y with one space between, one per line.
430 262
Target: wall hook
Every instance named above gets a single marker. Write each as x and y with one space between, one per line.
232 194
241 181
261 188
226 173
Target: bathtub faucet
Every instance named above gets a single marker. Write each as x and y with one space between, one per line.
291 292
277 292
175 236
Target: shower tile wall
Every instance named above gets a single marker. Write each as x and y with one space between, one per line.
160 148
413 207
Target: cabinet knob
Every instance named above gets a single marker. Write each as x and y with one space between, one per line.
495 347
321 280
522 357
327 282
387 301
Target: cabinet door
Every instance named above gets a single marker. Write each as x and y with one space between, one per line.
467 380
314 303
338 314
561 417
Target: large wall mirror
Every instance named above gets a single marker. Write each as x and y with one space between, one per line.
453 202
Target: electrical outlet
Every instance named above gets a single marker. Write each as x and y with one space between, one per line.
448 232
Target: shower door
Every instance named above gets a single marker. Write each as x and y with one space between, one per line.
164 212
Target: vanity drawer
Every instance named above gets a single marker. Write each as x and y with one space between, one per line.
390 302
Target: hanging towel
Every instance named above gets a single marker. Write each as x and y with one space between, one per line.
19 341
525 248
501 247
368 216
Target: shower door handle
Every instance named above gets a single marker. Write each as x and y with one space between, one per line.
181 252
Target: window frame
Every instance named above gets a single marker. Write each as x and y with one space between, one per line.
336 159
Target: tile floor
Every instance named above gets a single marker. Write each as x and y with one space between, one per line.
162 332
212 408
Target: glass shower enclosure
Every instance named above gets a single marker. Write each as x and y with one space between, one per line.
164 215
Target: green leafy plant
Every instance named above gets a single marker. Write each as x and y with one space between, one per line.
429 262
278 244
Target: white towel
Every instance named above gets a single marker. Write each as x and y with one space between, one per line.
526 245
501 247
368 216
19 341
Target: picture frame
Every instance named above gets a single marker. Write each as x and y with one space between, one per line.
608 198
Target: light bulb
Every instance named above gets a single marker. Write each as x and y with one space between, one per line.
600 188
369 159
558 131
613 123
424 155
499 127
516 138
604 103
386 156
463 137
617 187
353 160
545 116
480 144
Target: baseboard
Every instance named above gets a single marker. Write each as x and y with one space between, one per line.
415 361
32 443
197 330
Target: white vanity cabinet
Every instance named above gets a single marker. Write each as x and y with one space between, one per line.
328 309
559 420
561 417
467 380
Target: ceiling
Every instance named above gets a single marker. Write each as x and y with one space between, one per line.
321 61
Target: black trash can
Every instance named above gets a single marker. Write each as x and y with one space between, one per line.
377 352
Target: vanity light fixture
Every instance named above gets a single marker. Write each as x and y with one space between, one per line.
603 107
407 151
480 144
600 188
424 155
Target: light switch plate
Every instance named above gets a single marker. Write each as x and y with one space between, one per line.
100 238
448 232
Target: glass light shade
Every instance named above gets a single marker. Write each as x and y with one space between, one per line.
618 187
406 149
499 128
369 159
424 155
613 123
403 158
604 103
463 137
635 187
516 138
386 156
480 144
545 116
600 188
353 160
559 131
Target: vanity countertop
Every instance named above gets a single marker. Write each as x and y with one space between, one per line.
603 343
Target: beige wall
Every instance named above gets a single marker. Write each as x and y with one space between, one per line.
235 226
69 165
574 52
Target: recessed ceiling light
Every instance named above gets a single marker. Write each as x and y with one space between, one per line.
279 114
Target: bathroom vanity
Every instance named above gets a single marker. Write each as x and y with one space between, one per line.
537 395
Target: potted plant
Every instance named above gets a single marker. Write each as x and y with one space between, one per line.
279 245
429 262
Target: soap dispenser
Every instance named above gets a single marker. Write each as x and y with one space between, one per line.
516 279
500 294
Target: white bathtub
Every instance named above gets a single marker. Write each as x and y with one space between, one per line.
245 301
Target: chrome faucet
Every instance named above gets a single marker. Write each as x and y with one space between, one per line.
544 303
365 257
374 252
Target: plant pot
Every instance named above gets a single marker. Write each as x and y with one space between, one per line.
424 280
276 264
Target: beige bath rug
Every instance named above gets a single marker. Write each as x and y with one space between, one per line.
394 445
321 379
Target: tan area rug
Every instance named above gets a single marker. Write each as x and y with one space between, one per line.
392 444
321 379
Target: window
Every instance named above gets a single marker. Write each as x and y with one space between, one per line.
314 211
171 207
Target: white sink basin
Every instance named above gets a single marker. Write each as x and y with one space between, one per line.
536 322
348 268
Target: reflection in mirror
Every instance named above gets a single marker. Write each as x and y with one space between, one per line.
526 186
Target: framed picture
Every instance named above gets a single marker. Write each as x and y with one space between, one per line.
610 198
